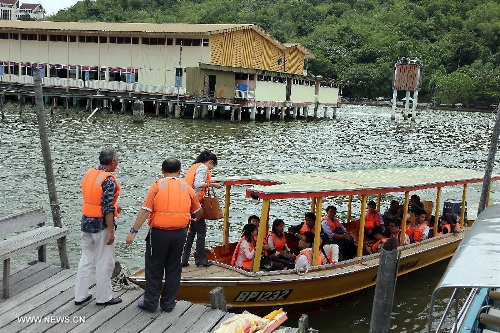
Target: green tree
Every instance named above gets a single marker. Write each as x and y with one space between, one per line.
455 88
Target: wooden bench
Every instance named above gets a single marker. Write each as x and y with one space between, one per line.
23 232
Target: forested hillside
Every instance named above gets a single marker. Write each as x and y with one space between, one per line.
357 41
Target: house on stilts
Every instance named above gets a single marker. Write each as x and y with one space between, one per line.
235 70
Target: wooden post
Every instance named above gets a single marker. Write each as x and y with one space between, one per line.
157 108
240 110
334 113
232 113
306 111
21 104
217 299
405 213
1 105
264 219
385 287
51 106
110 103
489 163
282 112
225 236
303 326
122 110
66 104
47 161
177 112
437 211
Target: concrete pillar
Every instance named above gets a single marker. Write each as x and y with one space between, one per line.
110 102
66 105
334 113
122 110
157 108
394 97
252 112
214 107
407 104
315 114
282 113
138 112
294 112
240 110
306 111
232 113
177 112
204 111
268 113
326 110
414 106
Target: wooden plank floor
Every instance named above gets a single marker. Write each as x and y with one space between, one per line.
42 301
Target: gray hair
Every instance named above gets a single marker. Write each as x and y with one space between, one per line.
107 156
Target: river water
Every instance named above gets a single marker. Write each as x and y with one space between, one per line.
359 138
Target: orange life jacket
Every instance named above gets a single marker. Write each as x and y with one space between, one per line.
247 263
305 229
419 231
332 224
308 252
172 204
190 175
92 192
371 220
410 228
444 226
376 245
279 242
397 235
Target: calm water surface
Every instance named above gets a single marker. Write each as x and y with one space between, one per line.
360 138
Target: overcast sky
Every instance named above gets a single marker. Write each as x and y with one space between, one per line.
52 6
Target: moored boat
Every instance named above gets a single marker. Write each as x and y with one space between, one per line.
260 290
473 280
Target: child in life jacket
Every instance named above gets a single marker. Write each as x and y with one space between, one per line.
245 249
377 233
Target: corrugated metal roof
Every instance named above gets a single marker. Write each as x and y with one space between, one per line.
137 28
307 185
476 263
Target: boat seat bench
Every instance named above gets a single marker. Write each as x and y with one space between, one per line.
23 232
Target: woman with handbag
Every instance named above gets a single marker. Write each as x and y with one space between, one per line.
200 179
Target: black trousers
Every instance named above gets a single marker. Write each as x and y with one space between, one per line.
163 258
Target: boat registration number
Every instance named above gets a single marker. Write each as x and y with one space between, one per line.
262 296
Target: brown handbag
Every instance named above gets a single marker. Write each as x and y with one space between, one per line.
210 206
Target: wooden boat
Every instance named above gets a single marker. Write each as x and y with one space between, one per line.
258 291
472 278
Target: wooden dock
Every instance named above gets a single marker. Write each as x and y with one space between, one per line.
42 300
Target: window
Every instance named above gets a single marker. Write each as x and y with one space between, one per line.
88 39
14 36
42 38
72 39
205 42
4 36
112 40
135 40
28 37
58 38
103 39
188 41
170 41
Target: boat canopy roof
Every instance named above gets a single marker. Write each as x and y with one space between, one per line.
476 263
357 182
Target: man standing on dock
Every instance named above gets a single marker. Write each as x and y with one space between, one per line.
168 205
100 191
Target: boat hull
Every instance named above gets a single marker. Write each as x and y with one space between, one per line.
321 285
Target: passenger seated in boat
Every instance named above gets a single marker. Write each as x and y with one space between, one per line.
245 249
444 225
419 230
306 226
277 249
396 232
415 205
373 218
335 233
393 213
255 220
304 259
378 234
455 226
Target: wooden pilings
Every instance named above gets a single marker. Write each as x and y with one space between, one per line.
138 112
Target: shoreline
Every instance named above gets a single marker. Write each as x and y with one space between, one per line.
421 106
